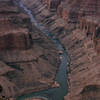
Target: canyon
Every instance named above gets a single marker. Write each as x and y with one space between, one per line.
76 24
33 59
29 60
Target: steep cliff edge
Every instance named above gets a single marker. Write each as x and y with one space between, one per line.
28 59
76 24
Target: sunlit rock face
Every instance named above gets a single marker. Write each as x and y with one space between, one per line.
28 59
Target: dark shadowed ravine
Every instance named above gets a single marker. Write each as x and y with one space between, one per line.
61 78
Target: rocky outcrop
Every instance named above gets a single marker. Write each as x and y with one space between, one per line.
77 26
52 4
35 98
11 35
28 59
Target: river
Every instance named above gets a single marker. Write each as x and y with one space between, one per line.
61 77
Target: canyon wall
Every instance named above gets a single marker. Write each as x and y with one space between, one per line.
28 59
76 24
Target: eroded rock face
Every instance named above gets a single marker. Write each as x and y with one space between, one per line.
12 35
28 59
76 24
34 99
52 4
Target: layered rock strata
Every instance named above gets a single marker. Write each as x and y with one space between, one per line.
78 28
28 59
